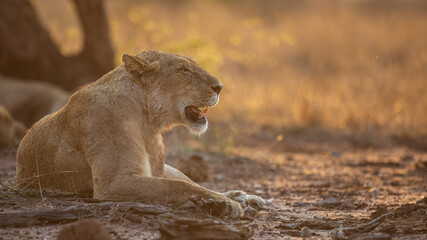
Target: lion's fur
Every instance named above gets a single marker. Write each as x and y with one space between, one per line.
11 131
28 101
107 140
7 129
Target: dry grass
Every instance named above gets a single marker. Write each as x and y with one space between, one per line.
340 65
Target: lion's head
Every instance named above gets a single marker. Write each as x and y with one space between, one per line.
177 84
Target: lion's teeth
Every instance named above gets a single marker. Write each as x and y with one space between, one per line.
203 109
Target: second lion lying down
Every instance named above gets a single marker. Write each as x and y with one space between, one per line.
107 140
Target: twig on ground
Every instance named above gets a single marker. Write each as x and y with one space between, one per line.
43 216
310 224
182 228
341 232
76 211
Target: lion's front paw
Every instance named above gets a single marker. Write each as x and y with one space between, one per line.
256 202
220 207
245 200
238 196
233 210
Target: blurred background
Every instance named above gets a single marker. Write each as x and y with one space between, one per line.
342 66
323 111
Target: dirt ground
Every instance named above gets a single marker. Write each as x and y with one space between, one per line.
309 179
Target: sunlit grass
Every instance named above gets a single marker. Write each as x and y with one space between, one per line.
341 65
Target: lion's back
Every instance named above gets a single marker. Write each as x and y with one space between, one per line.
45 157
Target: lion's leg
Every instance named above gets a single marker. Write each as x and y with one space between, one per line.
236 195
163 190
171 172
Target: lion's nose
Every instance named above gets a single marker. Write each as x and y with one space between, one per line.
217 88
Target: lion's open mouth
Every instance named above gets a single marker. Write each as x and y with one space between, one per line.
196 114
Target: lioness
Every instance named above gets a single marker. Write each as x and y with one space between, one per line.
29 101
7 129
10 129
107 140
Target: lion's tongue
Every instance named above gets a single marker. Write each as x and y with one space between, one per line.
197 111
194 109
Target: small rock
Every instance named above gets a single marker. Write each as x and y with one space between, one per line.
250 213
336 153
328 202
86 229
337 233
219 177
373 192
196 168
306 232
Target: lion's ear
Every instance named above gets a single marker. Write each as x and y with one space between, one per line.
136 66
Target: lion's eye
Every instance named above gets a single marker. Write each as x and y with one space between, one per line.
186 71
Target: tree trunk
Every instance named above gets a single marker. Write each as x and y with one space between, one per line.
28 51
97 50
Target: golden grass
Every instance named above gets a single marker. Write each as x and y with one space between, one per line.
340 65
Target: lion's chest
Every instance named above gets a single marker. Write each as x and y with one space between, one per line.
156 157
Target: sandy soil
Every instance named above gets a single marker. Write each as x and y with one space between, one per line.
307 180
